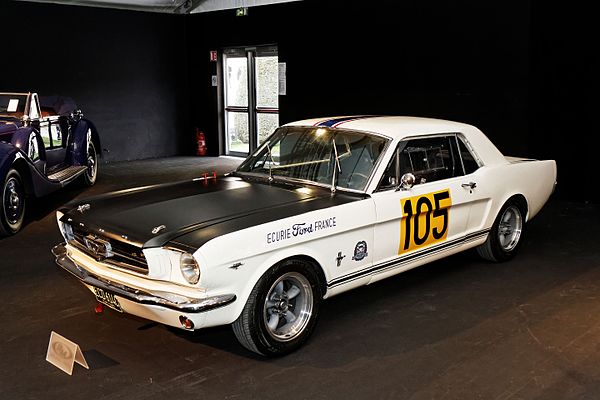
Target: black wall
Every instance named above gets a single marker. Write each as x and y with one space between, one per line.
126 70
466 61
523 71
519 70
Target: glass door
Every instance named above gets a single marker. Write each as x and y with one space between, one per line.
251 97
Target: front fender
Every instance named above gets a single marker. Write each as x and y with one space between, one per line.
14 157
21 139
243 279
8 154
83 131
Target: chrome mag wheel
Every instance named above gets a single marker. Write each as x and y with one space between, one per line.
288 306
509 228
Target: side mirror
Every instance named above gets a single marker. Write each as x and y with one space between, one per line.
407 181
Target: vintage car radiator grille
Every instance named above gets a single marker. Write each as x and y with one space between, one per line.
110 251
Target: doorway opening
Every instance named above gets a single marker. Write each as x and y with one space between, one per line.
251 97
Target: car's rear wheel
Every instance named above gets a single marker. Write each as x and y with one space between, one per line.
506 234
13 204
282 310
91 172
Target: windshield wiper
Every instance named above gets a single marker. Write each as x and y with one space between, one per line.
337 168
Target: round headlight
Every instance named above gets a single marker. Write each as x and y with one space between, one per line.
189 268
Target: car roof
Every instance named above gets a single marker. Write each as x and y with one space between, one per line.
398 128
392 126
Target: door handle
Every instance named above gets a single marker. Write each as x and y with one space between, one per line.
470 185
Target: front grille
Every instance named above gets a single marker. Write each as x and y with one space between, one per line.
121 254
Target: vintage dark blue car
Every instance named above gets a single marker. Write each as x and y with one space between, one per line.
45 143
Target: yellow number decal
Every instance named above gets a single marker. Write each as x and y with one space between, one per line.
425 220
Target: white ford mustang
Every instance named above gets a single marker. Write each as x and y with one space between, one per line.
323 206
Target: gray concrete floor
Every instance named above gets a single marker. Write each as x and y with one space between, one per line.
459 328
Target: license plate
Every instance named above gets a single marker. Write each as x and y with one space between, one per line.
107 299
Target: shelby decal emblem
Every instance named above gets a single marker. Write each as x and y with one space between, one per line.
360 251
301 229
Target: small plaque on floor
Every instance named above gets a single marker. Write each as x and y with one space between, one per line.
63 353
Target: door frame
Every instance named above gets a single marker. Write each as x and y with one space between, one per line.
250 52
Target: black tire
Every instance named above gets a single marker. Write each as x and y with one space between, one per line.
91 173
252 329
13 204
495 248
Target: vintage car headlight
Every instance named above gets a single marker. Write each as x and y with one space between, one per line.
65 229
189 268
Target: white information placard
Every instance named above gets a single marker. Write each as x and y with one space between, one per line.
63 354
282 79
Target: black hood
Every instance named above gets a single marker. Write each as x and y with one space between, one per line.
193 212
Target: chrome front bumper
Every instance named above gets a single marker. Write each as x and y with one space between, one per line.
182 303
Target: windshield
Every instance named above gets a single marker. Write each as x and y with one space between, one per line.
308 154
12 105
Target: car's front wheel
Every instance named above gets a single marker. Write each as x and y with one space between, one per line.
506 234
13 204
281 312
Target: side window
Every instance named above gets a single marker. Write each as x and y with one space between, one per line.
428 159
34 108
56 134
391 177
469 162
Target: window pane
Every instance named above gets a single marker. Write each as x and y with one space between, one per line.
429 160
468 160
267 123
307 153
237 132
267 85
236 81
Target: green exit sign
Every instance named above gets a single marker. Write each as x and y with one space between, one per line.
241 12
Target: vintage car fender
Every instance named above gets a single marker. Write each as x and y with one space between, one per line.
242 279
78 146
8 154
12 156
499 185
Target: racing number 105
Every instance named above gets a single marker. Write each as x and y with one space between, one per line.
425 220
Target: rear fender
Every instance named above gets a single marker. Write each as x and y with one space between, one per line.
83 131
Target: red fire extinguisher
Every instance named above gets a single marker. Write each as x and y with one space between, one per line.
200 143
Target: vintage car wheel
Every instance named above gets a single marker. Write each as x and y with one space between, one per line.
13 204
282 310
506 234
89 177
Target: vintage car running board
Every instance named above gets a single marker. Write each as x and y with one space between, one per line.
68 174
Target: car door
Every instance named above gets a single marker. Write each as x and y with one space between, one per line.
428 219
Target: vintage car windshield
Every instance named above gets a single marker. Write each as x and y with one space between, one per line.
12 105
307 153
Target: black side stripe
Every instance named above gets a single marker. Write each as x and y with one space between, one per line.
402 260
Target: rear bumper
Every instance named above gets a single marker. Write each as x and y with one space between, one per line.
175 302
